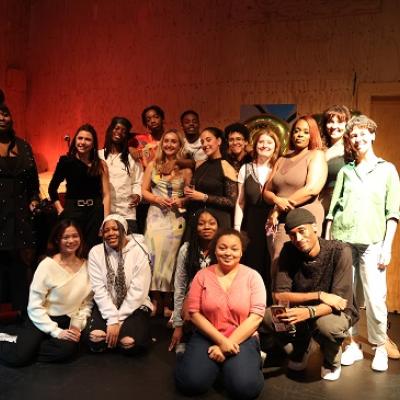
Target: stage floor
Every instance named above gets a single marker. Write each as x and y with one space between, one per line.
113 376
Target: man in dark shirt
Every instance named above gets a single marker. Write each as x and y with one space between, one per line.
315 278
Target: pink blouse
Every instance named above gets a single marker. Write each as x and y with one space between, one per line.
226 310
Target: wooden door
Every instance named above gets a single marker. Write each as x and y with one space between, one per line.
385 111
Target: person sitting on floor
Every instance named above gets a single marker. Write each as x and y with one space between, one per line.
60 301
193 255
226 302
315 277
120 275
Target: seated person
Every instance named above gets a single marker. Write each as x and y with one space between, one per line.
60 300
226 302
315 277
120 275
193 255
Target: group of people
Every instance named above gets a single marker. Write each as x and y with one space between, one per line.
161 217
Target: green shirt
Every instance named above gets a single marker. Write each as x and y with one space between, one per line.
362 203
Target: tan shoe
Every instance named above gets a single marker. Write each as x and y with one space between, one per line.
392 349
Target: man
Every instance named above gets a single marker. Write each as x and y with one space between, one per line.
143 147
190 122
315 277
364 212
237 136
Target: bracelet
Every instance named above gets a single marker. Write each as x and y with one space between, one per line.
205 198
313 311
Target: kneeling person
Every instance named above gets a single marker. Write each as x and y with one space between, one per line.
315 278
120 275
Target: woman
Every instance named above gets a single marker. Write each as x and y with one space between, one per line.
60 301
226 303
215 181
120 275
334 121
193 256
364 213
165 221
126 174
296 181
19 196
87 200
251 212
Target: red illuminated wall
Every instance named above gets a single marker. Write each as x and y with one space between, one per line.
87 60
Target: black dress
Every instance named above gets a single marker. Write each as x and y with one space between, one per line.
19 185
255 215
222 191
84 197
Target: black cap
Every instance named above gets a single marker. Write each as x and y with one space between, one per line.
297 217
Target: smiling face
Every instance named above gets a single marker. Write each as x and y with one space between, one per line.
119 133
237 143
207 225
335 128
5 121
304 238
210 144
190 125
361 140
301 135
265 146
228 251
111 234
170 144
70 241
83 143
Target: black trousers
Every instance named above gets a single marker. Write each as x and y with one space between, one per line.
15 277
34 345
89 219
136 326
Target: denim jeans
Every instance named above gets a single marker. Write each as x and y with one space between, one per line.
196 372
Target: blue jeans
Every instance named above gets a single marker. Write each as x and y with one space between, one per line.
195 372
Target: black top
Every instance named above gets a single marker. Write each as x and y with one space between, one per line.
330 271
222 192
237 164
19 185
80 185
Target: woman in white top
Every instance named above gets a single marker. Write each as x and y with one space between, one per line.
120 274
126 174
251 211
60 301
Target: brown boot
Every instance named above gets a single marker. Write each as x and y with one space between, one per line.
392 349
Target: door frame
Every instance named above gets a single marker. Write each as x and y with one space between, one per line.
366 91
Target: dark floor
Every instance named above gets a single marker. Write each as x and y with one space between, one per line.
112 376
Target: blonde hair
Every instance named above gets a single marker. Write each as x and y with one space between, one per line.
160 157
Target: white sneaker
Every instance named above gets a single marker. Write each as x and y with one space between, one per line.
351 354
330 374
5 337
380 361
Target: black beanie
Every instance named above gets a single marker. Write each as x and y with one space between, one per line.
297 217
